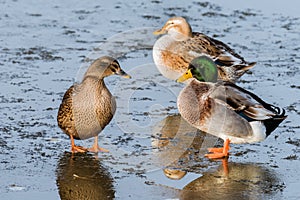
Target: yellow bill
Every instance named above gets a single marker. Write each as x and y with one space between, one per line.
187 75
159 32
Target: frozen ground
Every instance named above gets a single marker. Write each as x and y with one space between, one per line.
45 47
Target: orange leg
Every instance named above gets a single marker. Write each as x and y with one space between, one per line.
225 166
75 148
215 150
219 152
95 148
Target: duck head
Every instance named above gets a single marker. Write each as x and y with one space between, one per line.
105 66
177 27
201 68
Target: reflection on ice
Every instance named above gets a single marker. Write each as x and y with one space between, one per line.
175 142
241 181
81 176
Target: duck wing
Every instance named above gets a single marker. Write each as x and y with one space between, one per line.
199 106
244 102
221 53
65 118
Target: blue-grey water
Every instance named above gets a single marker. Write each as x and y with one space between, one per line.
46 46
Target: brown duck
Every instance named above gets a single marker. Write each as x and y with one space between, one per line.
88 107
179 45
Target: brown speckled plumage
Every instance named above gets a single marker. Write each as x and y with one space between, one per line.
88 107
173 52
94 110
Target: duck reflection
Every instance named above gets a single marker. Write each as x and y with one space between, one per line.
81 176
176 144
180 150
234 181
174 174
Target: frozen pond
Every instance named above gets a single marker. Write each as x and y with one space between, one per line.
45 47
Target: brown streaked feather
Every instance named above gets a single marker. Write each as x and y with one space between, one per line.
241 100
176 55
230 65
209 115
223 48
175 61
259 113
94 110
213 48
65 118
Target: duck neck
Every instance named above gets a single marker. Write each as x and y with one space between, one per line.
181 33
95 79
187 31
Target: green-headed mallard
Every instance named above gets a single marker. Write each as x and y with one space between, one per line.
88 107
223 109
173 52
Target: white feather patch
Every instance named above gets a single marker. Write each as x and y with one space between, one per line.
259 131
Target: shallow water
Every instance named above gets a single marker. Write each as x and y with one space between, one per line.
45 48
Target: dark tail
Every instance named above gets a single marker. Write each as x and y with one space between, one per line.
279 113
273 123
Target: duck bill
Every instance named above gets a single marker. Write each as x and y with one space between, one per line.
123 74
187 75
159 32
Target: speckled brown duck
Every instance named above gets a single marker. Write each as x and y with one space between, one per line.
89 106
179 45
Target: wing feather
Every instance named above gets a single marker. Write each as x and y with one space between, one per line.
242 101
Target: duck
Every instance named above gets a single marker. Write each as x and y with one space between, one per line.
223 109
179 45
87 107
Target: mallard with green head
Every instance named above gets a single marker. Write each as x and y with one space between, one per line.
89 106
173 52
224 109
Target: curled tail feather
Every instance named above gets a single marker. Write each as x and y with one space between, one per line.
272 123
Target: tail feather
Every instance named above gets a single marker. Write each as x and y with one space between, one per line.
241 69
247 66
273 123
